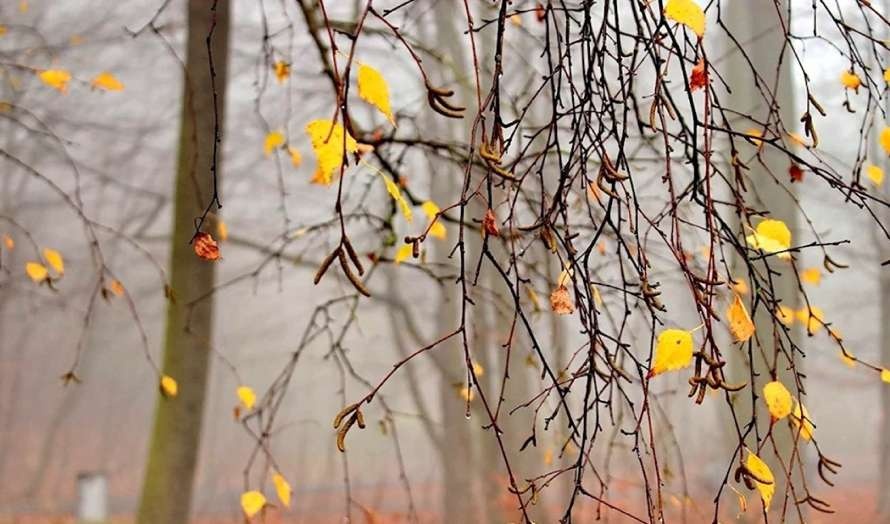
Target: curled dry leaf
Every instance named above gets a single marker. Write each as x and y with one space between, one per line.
490 223
561 301
698 79
206 247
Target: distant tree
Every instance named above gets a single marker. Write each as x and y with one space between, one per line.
176 437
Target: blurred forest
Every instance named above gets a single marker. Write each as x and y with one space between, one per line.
538 261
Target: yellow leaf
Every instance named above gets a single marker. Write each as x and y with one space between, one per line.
848 359
116 288
327 142
763 473
850 80
169 387
740 324
252 502
884 139
466 393
813 318
54 259
222 230
274 140
36 271
887 75
404 253
755 136
687 13
282 489
8 242
811 276
108 82
431 210
785 315
533 296
875 174
373 89
771 236
800 414
885 375
777 399
437 230
478 370
246 396
393 189
2 30
282 71
295 157
548 456
597 298
672 351
56 78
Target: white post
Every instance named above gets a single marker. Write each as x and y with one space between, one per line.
92 498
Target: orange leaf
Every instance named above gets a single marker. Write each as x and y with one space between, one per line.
206 247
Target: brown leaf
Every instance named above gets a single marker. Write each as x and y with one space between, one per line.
796 173
699 77
490 224
561 301
206 247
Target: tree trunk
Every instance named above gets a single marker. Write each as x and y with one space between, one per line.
756 27
175 440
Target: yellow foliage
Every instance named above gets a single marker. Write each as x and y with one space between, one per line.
812 318
759 468
295 157
8 242
688 13
404 252
56 78
885 375
875 174
887 75
373 89
252 502
222 230
282 489
393 189
850 80
777 399
478 370
884 139
785 315
771 236
811 276
847 358
54 259
740 324
169 387
328 144
740 286
246 396
673 351
274 140
431 210
800 414
282 71
107 81
36 271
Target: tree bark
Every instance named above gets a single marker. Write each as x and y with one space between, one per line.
175 440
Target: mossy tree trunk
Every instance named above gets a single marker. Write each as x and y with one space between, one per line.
175 439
